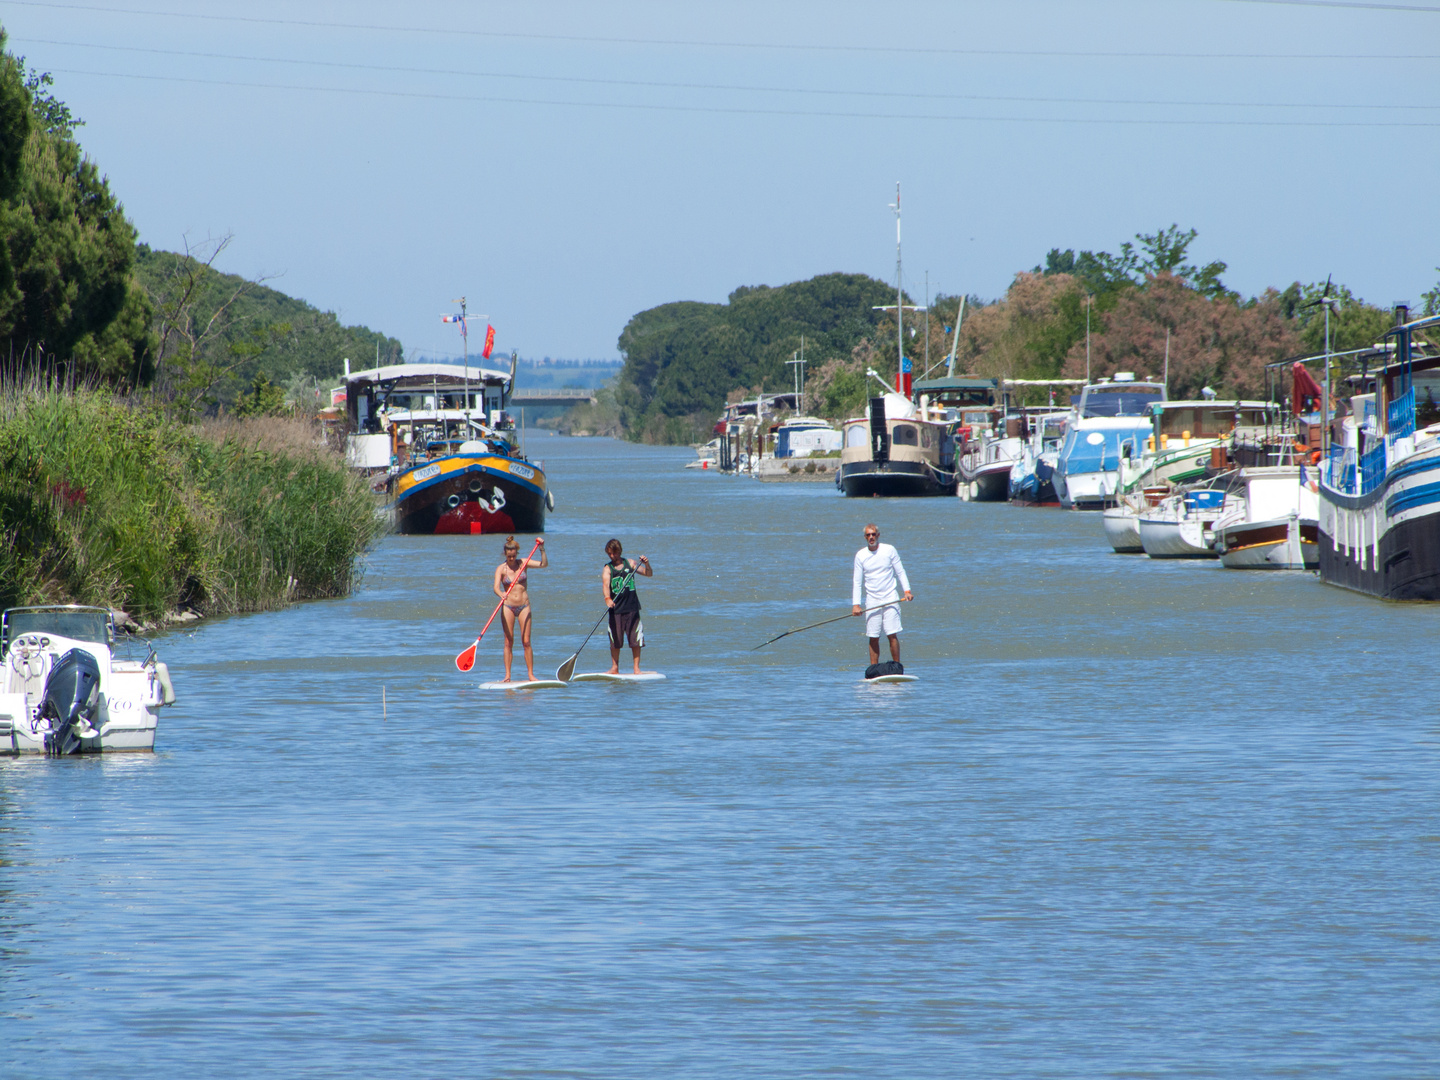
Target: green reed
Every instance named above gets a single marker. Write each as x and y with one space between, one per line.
114 503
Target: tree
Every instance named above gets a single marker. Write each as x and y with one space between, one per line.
1028 333
1217 342
67 296
1354 324
681 359
217 332
1162 252
1431 299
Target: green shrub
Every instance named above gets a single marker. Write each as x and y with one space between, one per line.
104 502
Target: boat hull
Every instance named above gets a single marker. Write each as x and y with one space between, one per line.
471 494
992 483
1386 543
1122 529
1279 544
1092 490
863 479
1169 539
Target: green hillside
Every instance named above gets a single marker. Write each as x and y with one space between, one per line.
681 359
213 324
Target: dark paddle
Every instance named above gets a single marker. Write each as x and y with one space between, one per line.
827 622
466 660
567 669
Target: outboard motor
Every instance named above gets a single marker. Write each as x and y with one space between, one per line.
72 695
879 432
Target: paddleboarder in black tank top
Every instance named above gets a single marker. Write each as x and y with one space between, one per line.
617 581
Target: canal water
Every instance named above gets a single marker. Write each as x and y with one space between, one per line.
1136 819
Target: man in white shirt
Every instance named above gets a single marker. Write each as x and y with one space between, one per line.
879 573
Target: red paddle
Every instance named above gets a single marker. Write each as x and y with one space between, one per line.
466 660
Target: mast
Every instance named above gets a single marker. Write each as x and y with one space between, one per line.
902 383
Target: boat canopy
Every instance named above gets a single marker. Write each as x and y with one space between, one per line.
1090 449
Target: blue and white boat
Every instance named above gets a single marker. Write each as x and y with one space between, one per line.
1380 485
1112 423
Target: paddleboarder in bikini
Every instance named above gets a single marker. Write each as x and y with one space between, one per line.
617 581
879 573
516 606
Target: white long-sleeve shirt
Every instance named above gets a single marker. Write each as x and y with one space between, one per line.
880 574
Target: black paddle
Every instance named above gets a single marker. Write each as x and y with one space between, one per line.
567 669
826 622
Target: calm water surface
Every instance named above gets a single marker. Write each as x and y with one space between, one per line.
1137 819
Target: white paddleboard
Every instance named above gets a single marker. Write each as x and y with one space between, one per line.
894 678
605 676
537 684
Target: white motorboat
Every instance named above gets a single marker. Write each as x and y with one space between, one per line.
64 692
1181 526
1275 526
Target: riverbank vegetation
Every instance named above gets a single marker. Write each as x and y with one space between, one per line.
111 502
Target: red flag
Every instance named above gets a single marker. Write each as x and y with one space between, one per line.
1305 387
489 342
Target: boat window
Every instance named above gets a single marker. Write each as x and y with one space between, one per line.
78 625
1113 401
903 435
856 435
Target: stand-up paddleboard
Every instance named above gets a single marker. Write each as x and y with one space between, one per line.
534 684
605 676
894 678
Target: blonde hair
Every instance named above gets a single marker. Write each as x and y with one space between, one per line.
511 542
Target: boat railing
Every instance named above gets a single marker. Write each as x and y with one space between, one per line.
1339 472
1401 415
1342 475
1372 468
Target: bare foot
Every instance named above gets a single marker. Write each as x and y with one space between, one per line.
614 670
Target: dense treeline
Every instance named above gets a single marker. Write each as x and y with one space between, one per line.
1147 300
682 359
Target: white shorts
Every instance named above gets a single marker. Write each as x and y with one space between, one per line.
883 622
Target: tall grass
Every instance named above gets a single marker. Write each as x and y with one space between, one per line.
107 502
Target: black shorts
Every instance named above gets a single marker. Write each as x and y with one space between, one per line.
625 624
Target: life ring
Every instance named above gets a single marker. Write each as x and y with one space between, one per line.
1315 458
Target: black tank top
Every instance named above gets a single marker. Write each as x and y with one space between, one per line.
622 587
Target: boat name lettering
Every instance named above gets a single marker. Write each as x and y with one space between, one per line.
523 471
427 472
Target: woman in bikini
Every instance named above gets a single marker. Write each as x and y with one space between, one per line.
516 608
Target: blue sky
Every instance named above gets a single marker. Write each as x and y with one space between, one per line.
565 165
